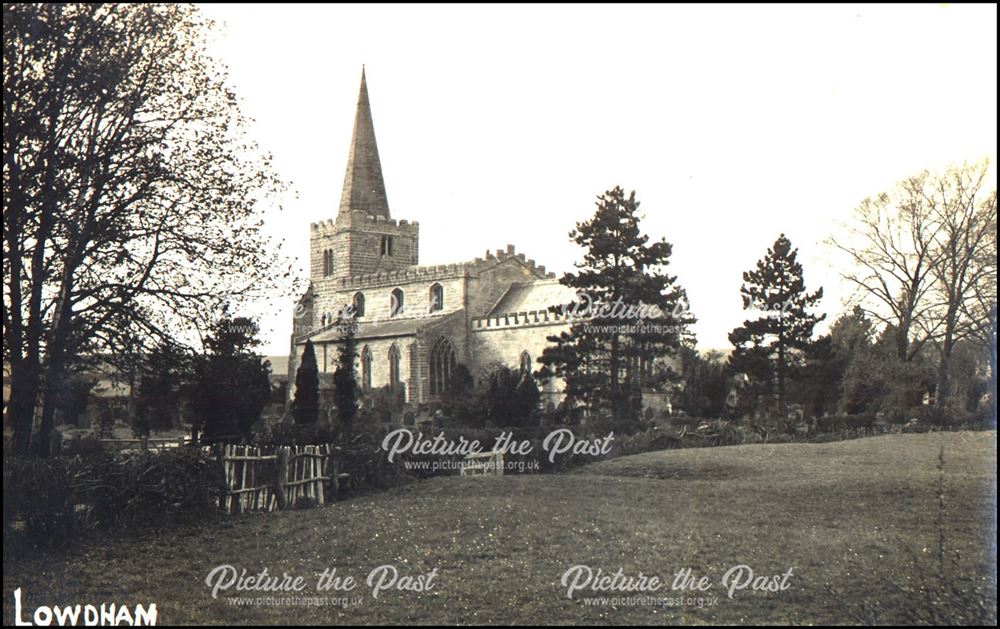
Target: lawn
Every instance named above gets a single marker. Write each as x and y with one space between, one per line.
856 521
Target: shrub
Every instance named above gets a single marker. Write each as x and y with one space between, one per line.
48 502
145 488
292 433
367 464
38 501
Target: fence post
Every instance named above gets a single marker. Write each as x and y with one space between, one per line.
335 461
220 456
281 476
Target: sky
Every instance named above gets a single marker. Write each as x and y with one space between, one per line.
501 124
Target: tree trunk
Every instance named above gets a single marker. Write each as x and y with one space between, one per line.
616 397
53 382
947 348
22 403
782 404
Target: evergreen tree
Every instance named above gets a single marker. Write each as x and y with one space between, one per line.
770 348
305 405
462 403
345 381
510 397
631 314
231 382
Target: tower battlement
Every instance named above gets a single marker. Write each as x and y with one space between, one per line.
359 219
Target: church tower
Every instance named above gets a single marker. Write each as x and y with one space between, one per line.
364 238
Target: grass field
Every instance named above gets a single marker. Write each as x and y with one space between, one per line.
857 521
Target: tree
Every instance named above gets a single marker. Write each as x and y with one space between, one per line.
981 313
131 195
924 258
772 346
305 406
231 382
345 381
965 216
705 384
510 397
892 255
461 402
817 387
630 317
75 397
164 374
861 386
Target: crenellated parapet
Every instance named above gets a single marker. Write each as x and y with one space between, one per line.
358 219
509 253
522 319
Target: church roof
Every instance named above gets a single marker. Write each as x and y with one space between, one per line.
372 329
533 296
386 328
364 187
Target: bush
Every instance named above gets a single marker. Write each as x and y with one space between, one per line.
949 418
291 434
146 488
863 424
367 464
38 502
48 502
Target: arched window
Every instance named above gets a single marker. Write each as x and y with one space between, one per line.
525 363
396 304
437 297
393 367
366 369
387 245
442 364
358 304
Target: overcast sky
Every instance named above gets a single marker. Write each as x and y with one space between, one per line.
500 124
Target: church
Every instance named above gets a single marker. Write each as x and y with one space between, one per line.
415 323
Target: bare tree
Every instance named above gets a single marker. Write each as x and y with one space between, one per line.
924 261
131 193
966 265
891 248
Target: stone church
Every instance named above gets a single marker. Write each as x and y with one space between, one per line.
415 323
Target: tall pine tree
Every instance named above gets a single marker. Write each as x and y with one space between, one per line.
305 405
769 349
634 314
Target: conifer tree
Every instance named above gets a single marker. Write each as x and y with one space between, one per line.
635 313
345 381
305 405
231 382
769 348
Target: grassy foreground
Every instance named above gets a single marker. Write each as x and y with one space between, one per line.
857 521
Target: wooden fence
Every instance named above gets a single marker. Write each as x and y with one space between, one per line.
287 477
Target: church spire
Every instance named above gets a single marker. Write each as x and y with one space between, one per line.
364 188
